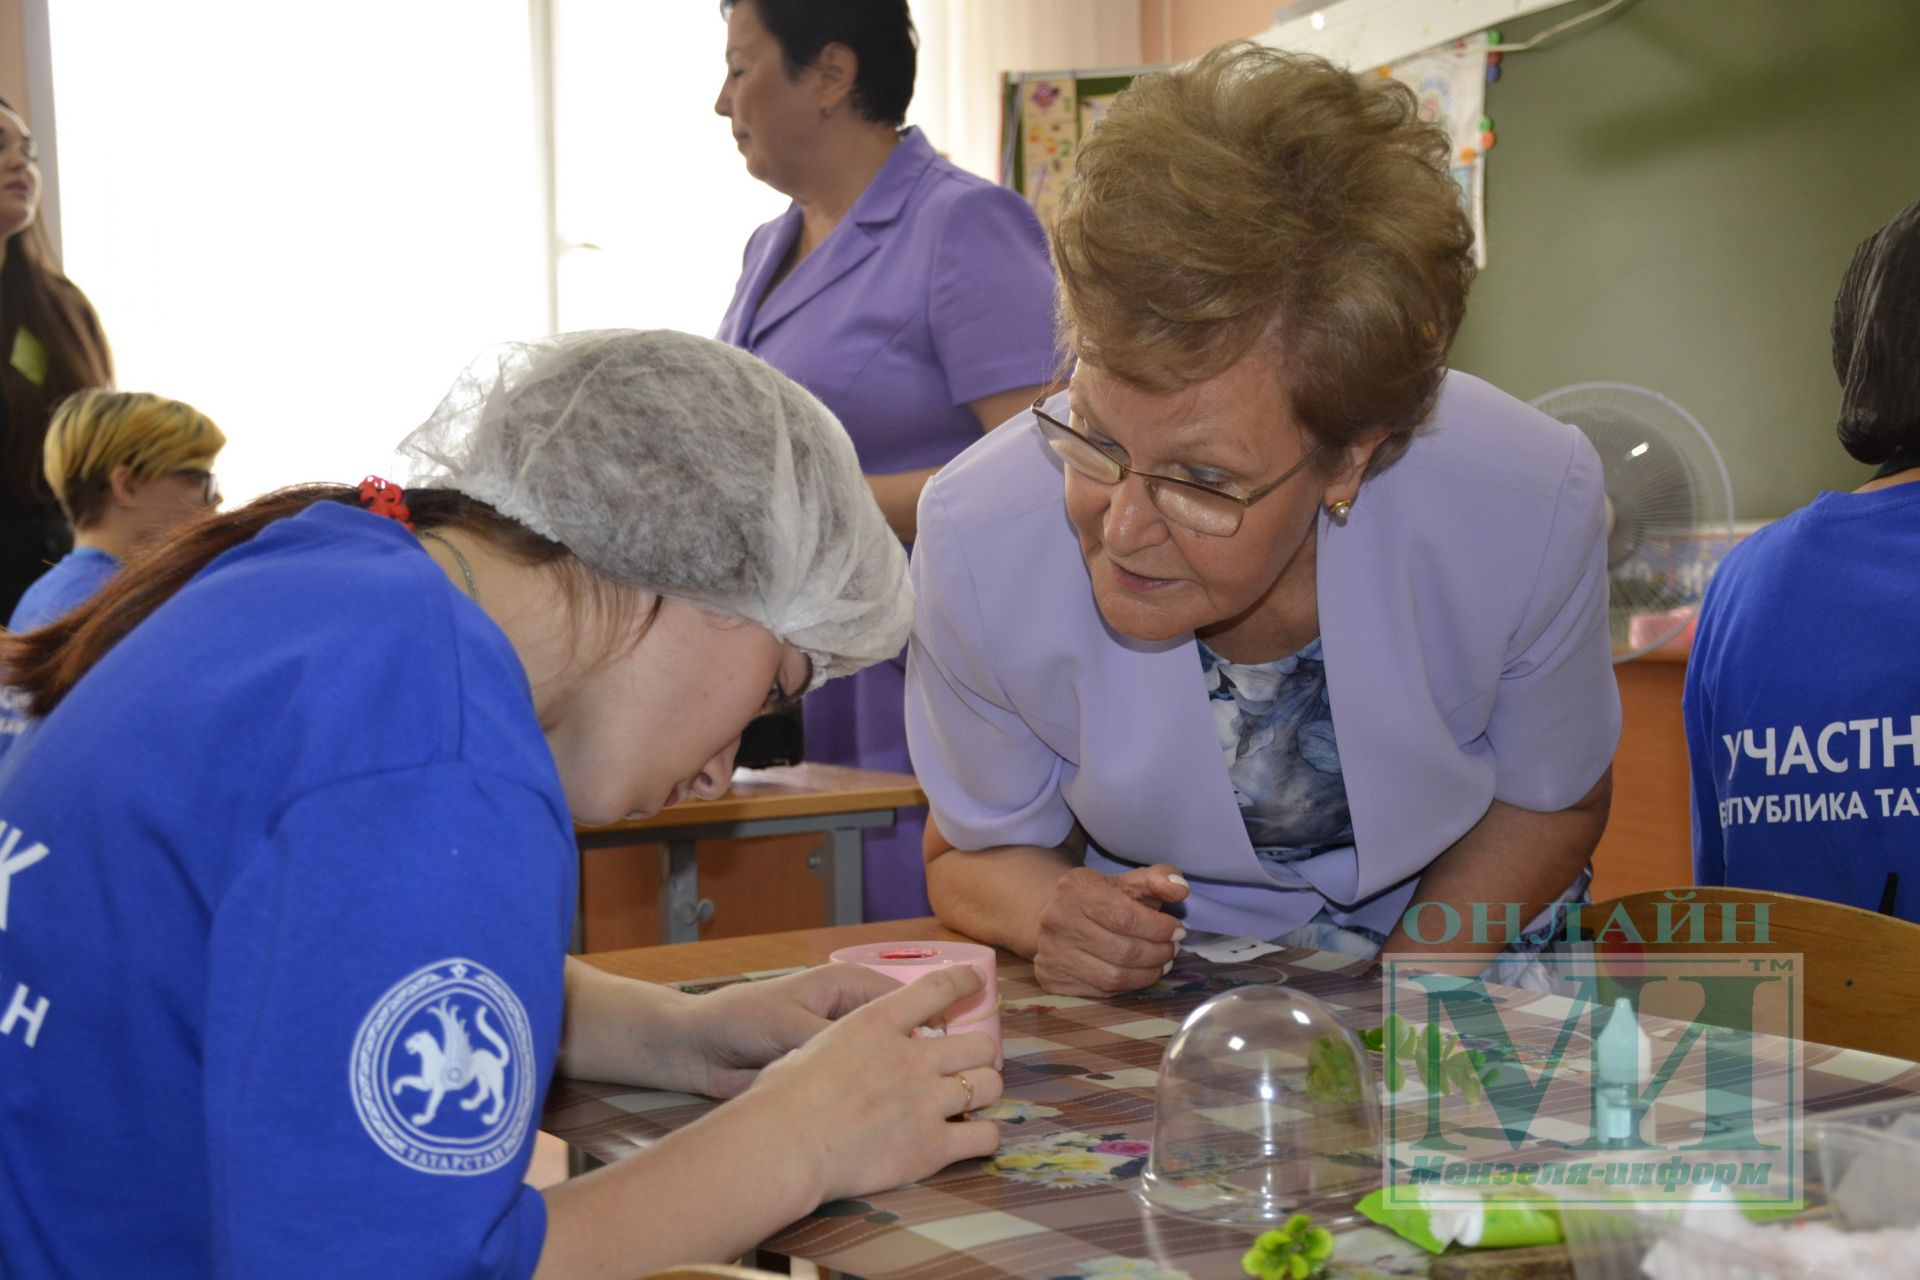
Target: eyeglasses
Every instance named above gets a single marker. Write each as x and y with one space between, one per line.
210 491
1187 503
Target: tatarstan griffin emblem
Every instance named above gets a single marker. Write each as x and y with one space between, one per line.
442 1070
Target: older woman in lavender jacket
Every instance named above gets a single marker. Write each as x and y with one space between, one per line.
1269 625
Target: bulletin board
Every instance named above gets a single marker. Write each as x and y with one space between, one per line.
1044 114
1450 83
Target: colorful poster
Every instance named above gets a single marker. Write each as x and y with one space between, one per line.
1451 84
1050 134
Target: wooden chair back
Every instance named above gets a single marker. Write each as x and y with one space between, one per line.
1860 979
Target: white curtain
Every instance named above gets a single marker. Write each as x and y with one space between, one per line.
302 219
966 45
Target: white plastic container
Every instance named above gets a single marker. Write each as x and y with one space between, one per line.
1865 1218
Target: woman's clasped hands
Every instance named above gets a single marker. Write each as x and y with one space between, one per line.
1100 934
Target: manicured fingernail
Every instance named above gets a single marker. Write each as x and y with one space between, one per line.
1166 968
1178 879
1179 935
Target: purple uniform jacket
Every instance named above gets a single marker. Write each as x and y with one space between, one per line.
933 291
1463 615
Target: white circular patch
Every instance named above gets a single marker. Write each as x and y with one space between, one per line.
443 1072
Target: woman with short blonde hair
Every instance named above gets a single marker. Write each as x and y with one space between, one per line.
126 467
97 432
1271 624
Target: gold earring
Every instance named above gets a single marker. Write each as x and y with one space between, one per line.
1338 510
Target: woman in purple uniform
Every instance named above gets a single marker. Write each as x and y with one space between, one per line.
913 298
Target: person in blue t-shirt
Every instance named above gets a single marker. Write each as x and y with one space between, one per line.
127 468
1802 699
287 864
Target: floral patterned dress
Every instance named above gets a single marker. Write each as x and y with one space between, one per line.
1276 732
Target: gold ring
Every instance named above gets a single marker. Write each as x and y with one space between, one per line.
968 1086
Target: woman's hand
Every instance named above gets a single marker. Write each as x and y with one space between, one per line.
734 1032
641 1033
871 1105
860 1107
1101 934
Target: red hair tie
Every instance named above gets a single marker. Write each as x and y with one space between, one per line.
384 498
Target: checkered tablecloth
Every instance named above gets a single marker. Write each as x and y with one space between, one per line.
1058 1200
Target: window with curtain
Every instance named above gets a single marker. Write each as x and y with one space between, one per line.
303 219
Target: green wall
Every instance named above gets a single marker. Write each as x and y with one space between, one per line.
1675 192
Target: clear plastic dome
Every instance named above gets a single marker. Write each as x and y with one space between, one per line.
1265 1104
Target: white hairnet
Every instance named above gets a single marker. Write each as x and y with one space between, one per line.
681 466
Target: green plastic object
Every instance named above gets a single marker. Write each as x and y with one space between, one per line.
1407 1222
1505 1220
1493 38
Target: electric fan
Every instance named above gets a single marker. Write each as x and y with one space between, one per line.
1669 506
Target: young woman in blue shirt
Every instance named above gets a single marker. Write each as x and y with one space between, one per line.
287 868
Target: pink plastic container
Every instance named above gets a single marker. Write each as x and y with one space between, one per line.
905 961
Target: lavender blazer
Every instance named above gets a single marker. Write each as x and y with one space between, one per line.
1463 615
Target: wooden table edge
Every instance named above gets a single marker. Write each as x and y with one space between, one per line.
770 796
757 953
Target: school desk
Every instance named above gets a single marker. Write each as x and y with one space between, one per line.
832 801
